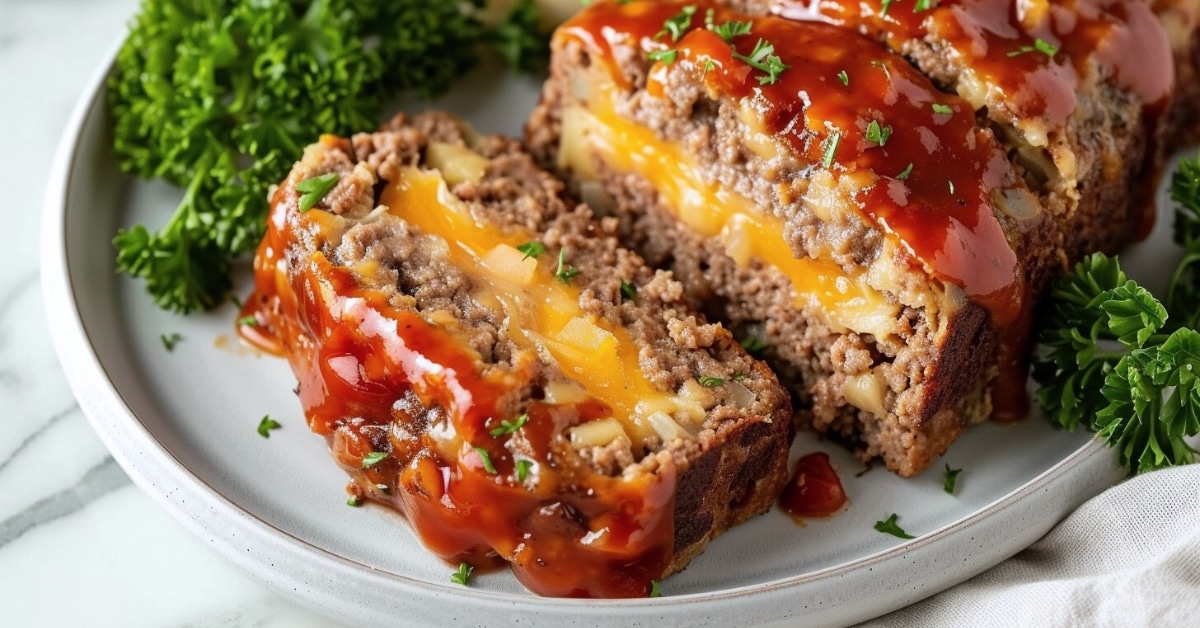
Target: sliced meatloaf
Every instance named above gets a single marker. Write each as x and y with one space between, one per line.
882 238
483 357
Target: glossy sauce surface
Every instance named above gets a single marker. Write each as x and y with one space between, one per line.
836 89
997 40
377 379
815 489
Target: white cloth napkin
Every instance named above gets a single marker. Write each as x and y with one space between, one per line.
1129 557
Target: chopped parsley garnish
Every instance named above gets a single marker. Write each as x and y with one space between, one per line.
315 189
887 4
677 24
666 56
844 78
487 459
248 321
831 145
463 575
730 29
235 300
266 425
708 381
508 427
877 133
532 248
654 590
628 291
354 500
523 470
922 5
764 59
940 108
950 479
1040 45
904 173
373 458
739 376
170 340
565 273
890 527
709 66
753 345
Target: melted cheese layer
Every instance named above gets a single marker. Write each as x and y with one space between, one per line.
542 313
848 302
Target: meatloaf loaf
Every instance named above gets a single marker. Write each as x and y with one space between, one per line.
880 229
483 357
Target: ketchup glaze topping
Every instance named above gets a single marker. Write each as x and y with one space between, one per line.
999 41
847 104
376 379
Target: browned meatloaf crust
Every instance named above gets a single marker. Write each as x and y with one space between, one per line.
594 456
899 389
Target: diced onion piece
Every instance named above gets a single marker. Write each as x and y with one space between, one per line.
741 396
457 163
598 433
866 392
509 264
573 151
587 336
558 393
666 427
739 245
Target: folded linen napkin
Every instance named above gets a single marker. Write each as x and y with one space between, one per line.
1128 557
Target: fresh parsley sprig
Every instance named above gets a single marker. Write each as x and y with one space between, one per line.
1119 362
221 96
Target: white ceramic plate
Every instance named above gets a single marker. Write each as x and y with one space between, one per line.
182 424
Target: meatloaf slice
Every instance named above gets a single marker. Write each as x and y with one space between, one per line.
483 357
884 238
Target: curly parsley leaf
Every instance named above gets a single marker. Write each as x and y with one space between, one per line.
221 96
1108 364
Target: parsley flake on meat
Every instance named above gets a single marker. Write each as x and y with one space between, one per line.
508 427
677 24
877 133
373 458
831 146
533 248
523 469
315 188
708 381
1039 45
565 273
764 59
487 460
628 291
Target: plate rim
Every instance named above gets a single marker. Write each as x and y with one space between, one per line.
151 465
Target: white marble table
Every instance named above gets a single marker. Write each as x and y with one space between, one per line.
79 544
